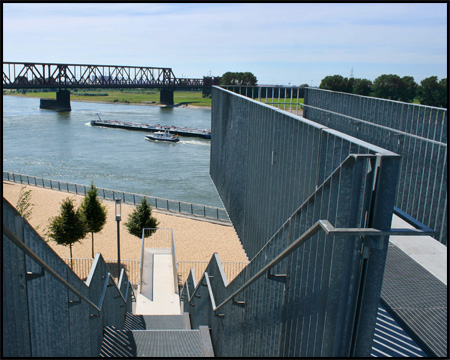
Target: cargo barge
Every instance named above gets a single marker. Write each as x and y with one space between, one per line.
182 131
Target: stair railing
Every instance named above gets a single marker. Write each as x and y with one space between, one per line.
170 245
320 225
19 243
329 229
174 264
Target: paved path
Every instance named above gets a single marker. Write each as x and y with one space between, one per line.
158 295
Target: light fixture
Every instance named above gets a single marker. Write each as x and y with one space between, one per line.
118 209
118 216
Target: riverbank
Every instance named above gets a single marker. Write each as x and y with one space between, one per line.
146 103
192 99
195 240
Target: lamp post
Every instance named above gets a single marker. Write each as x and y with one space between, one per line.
118 210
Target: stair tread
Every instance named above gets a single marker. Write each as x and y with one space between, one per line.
152 343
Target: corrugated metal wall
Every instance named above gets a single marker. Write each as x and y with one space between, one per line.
417 133
277 174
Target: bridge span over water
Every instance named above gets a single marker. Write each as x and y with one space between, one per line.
63 77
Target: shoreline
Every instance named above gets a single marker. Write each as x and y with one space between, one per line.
143 103
195 240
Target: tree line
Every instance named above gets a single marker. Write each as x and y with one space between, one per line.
430 91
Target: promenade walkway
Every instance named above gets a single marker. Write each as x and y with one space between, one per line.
158 296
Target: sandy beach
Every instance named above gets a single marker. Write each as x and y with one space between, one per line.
195 240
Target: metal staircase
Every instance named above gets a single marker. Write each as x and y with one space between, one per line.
157 326
156 336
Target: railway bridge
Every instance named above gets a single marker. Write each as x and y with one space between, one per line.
63 77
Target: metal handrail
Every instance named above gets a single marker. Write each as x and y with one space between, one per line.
174 264
326 226
141 264
174 259
19 243
16 240
102 296
118 282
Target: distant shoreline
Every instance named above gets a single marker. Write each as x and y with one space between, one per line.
143 103
184 105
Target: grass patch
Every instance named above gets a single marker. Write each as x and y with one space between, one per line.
128 96
283 104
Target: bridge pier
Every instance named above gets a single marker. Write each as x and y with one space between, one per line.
166 96
62 102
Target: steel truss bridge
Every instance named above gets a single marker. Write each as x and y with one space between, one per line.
69 76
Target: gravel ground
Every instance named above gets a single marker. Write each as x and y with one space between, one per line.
195 240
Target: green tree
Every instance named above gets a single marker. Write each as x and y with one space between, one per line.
68 227
443 91
362 87
141 218
94 213
386 86
238 78
24 205
337 83
407 89
433 92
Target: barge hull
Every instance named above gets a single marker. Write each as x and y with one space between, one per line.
150 129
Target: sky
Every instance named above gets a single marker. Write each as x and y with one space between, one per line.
280 43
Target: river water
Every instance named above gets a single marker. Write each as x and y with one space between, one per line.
63 146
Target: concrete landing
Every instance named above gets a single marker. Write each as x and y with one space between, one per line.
164 300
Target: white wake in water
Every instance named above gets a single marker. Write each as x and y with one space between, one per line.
195 142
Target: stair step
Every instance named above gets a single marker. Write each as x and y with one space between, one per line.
156 322
156 343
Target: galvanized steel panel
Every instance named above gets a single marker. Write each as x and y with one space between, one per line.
49 320
424 139
289 158
48 337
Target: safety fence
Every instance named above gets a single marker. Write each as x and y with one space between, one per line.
81 267
416 132
287 98
185 208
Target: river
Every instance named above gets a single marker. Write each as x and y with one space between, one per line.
63 146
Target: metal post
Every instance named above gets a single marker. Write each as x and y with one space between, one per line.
118 248
118 216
